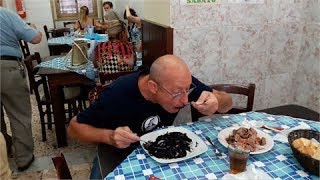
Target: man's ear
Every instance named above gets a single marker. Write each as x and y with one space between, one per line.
153 86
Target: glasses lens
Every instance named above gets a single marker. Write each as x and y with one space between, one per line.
178 95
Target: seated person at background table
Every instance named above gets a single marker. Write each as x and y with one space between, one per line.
142 101
110 14
117 54
134 27
85 20
107 5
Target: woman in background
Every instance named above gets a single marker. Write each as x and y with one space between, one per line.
134 27
85 20
116 55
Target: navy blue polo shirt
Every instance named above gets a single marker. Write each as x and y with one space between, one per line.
122 104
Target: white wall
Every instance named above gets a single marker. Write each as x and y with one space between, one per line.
265 44
120 5
157 11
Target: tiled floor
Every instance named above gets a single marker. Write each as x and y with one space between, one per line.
79 156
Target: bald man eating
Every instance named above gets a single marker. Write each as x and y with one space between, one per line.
140 102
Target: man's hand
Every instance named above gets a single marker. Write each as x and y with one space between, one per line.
123 136
207 103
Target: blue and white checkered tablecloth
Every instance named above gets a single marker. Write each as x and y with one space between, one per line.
60 63
69 39
279 162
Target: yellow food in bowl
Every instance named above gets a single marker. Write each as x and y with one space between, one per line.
308 147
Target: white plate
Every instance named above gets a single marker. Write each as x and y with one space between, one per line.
197 146
223 134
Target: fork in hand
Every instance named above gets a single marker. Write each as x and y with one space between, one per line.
157 147
216 151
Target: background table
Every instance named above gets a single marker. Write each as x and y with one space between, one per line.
279 162
293 110
57 79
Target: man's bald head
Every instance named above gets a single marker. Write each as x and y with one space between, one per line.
168 67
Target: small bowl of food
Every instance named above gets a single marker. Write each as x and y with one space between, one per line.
306 149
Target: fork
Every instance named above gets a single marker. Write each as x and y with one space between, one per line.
216 151
154 146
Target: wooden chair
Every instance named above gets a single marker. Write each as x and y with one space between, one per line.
111 69
68 23
56 49
24 48
61 166
25 51
242 90
105 79
46 31
40 88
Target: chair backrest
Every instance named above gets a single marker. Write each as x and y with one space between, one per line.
59 32
24 48
109 77
68 23
105 79
30 62
109 67
46 31
61 166
244 90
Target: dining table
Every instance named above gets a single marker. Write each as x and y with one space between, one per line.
69 39
63 44
278 162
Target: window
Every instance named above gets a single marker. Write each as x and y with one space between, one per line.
68 9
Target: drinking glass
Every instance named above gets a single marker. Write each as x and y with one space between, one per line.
238 158
66 34
71 31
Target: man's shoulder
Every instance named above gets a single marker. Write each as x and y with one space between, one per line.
6 11
125 82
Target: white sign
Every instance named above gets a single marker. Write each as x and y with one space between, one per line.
198 2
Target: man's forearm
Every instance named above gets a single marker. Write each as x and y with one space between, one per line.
225 101
89 134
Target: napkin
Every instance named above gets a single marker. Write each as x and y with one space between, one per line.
251 173
283 135
252 123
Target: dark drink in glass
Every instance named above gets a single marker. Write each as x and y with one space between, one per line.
238 158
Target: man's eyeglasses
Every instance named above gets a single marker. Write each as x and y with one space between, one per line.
179 94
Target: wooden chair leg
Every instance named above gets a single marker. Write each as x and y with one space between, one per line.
49 116
42 123
84 104
80 105
75 109
69 110
61 166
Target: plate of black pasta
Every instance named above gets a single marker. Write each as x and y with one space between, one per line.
172 144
